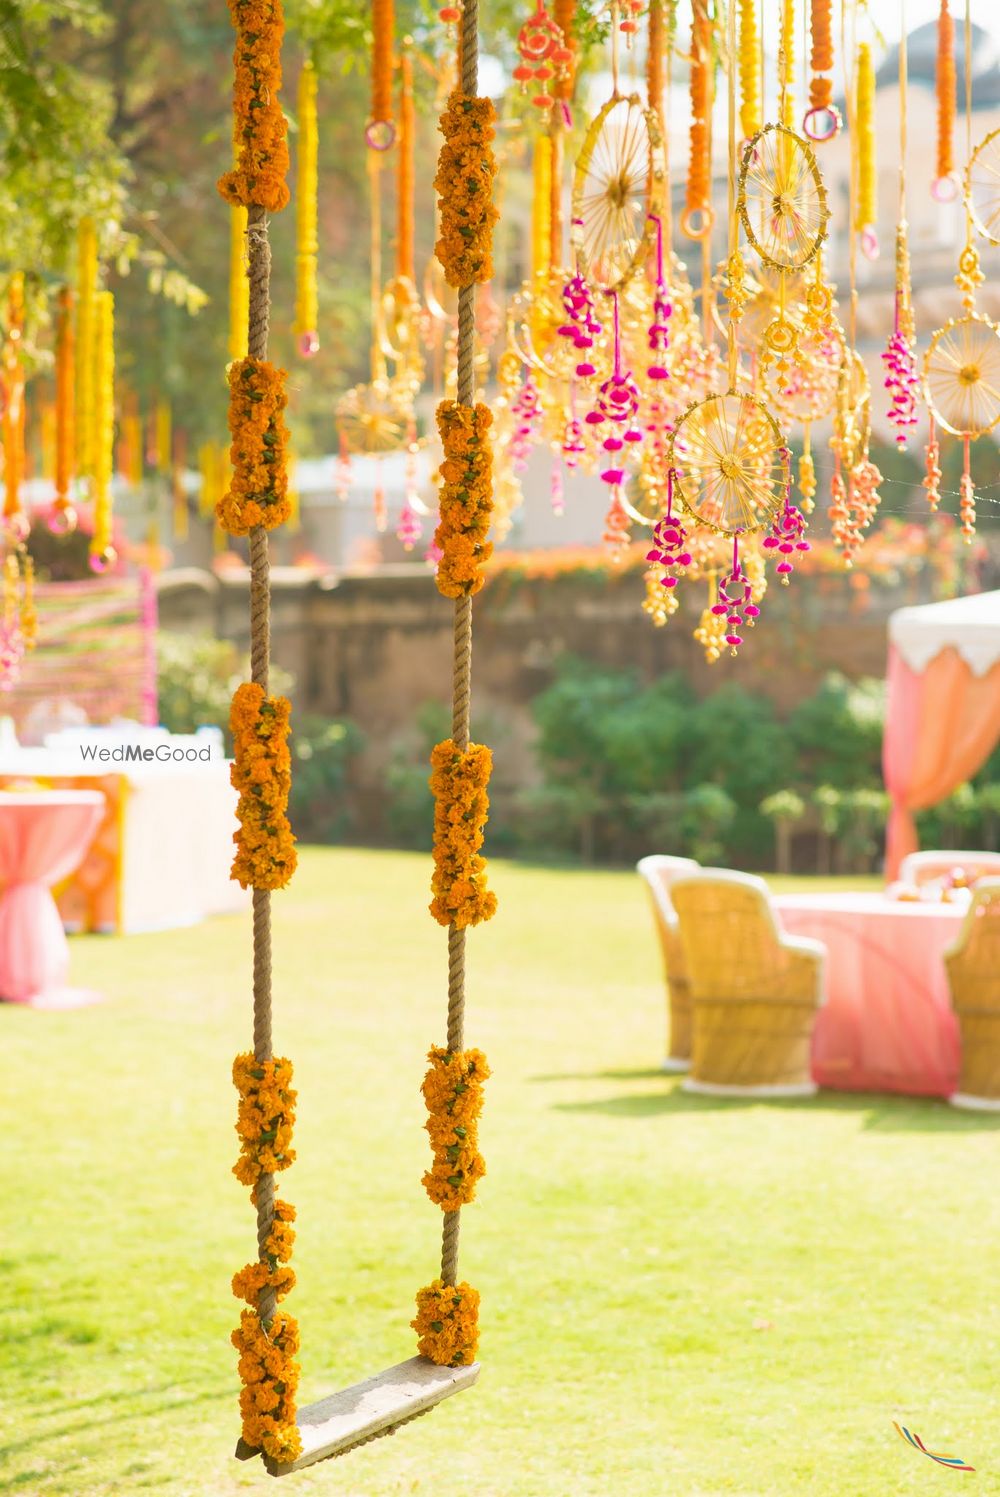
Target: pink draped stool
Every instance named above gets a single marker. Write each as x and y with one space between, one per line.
887 1024
44 836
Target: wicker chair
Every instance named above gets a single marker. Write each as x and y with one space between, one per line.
923 867
973 965
659 873
754 990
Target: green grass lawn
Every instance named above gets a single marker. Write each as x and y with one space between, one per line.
680 1295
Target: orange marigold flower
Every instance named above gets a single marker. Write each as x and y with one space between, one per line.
447 1323
266 1110
259 126
466 501
453 1092
466 169
461 809
262 773
258 485
270 1377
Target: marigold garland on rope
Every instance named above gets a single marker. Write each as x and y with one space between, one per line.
381 131
698 195
466 498
464 182
447 1323
258 487
262 773
265 1118
258 178
270 1377
453 1092
461 808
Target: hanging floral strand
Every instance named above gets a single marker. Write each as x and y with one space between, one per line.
15 519
751 118
306 240
697 220
62 517
866 215
945 185
380 132
86 296
822 119
102 553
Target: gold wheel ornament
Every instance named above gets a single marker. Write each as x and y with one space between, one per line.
961 378
617 185
371 418
852 416
982 187
399 321
781 200
731 464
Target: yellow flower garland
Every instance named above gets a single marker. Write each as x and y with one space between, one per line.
86 329
461 809
262 773
306 241
466 499
270 1376
101 549
464 181
258 488
447 1323
453 1092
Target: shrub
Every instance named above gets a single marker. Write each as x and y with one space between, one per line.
322 749
836 734
196 678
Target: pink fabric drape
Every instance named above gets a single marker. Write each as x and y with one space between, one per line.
43 837
941 725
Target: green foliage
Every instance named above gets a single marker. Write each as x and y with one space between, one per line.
409 804
196 678
836 734
322 750
57 161
783 805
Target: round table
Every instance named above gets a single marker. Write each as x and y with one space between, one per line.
887 1023
44 835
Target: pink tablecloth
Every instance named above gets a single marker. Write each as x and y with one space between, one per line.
887 1024
43 836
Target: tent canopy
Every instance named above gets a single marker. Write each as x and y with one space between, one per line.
943 708
969 625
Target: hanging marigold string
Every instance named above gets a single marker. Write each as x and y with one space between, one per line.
306 237
262 773
541 206
867 207
932 478
466 498
15 520
406 179
464 182
786 65
750 63
86 294
459 783
102 553
381 132
453 1092
564 15
259 126
822 120
697 220
946 87
63 516
258 485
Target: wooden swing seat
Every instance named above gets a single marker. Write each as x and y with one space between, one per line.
377 1406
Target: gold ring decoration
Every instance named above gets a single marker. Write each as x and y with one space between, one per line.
398 326
617 185
852 415
982 187
781 199
961 376
696 223
731 464
371 418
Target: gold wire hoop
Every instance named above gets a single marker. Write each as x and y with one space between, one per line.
617 184
731 464
961 375
778 168
981 188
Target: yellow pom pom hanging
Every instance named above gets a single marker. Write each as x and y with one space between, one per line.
751 119
541 206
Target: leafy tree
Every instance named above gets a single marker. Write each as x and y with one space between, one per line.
836 734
